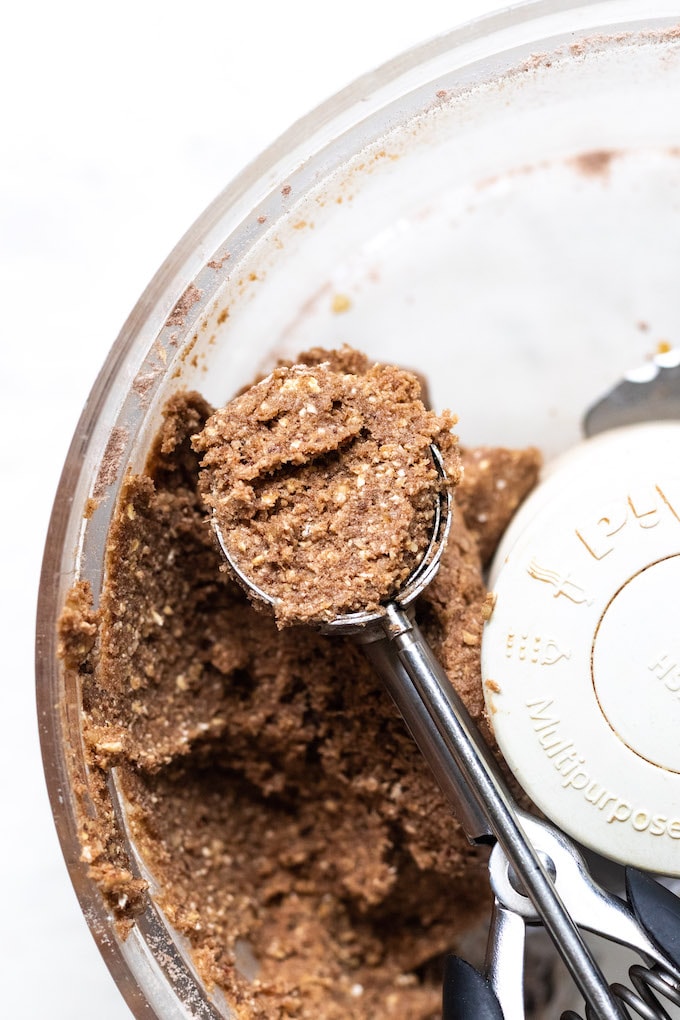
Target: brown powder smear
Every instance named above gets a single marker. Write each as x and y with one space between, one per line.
596 163
276 796
111 461
189 298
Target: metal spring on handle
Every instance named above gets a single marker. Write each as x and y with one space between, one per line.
647 981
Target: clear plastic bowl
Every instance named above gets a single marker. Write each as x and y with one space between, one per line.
499 208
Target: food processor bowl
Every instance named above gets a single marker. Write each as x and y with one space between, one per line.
498 209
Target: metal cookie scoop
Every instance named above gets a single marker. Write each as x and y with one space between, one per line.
469 777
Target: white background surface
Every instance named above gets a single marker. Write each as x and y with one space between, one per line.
118 128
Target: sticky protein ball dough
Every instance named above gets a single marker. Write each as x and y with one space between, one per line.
322 483
277 806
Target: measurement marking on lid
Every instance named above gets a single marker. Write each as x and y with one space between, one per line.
572 766
537 650
561 582
644 507
668 671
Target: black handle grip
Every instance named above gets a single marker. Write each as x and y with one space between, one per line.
467 994
658 911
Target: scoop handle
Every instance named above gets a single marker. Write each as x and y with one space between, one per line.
466 994
383 656
485 785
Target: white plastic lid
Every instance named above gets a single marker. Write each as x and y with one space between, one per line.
581 656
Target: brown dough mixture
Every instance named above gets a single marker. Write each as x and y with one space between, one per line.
323 484
286 815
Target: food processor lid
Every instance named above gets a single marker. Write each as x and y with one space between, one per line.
580 661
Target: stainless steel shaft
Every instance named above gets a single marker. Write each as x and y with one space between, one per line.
461 763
